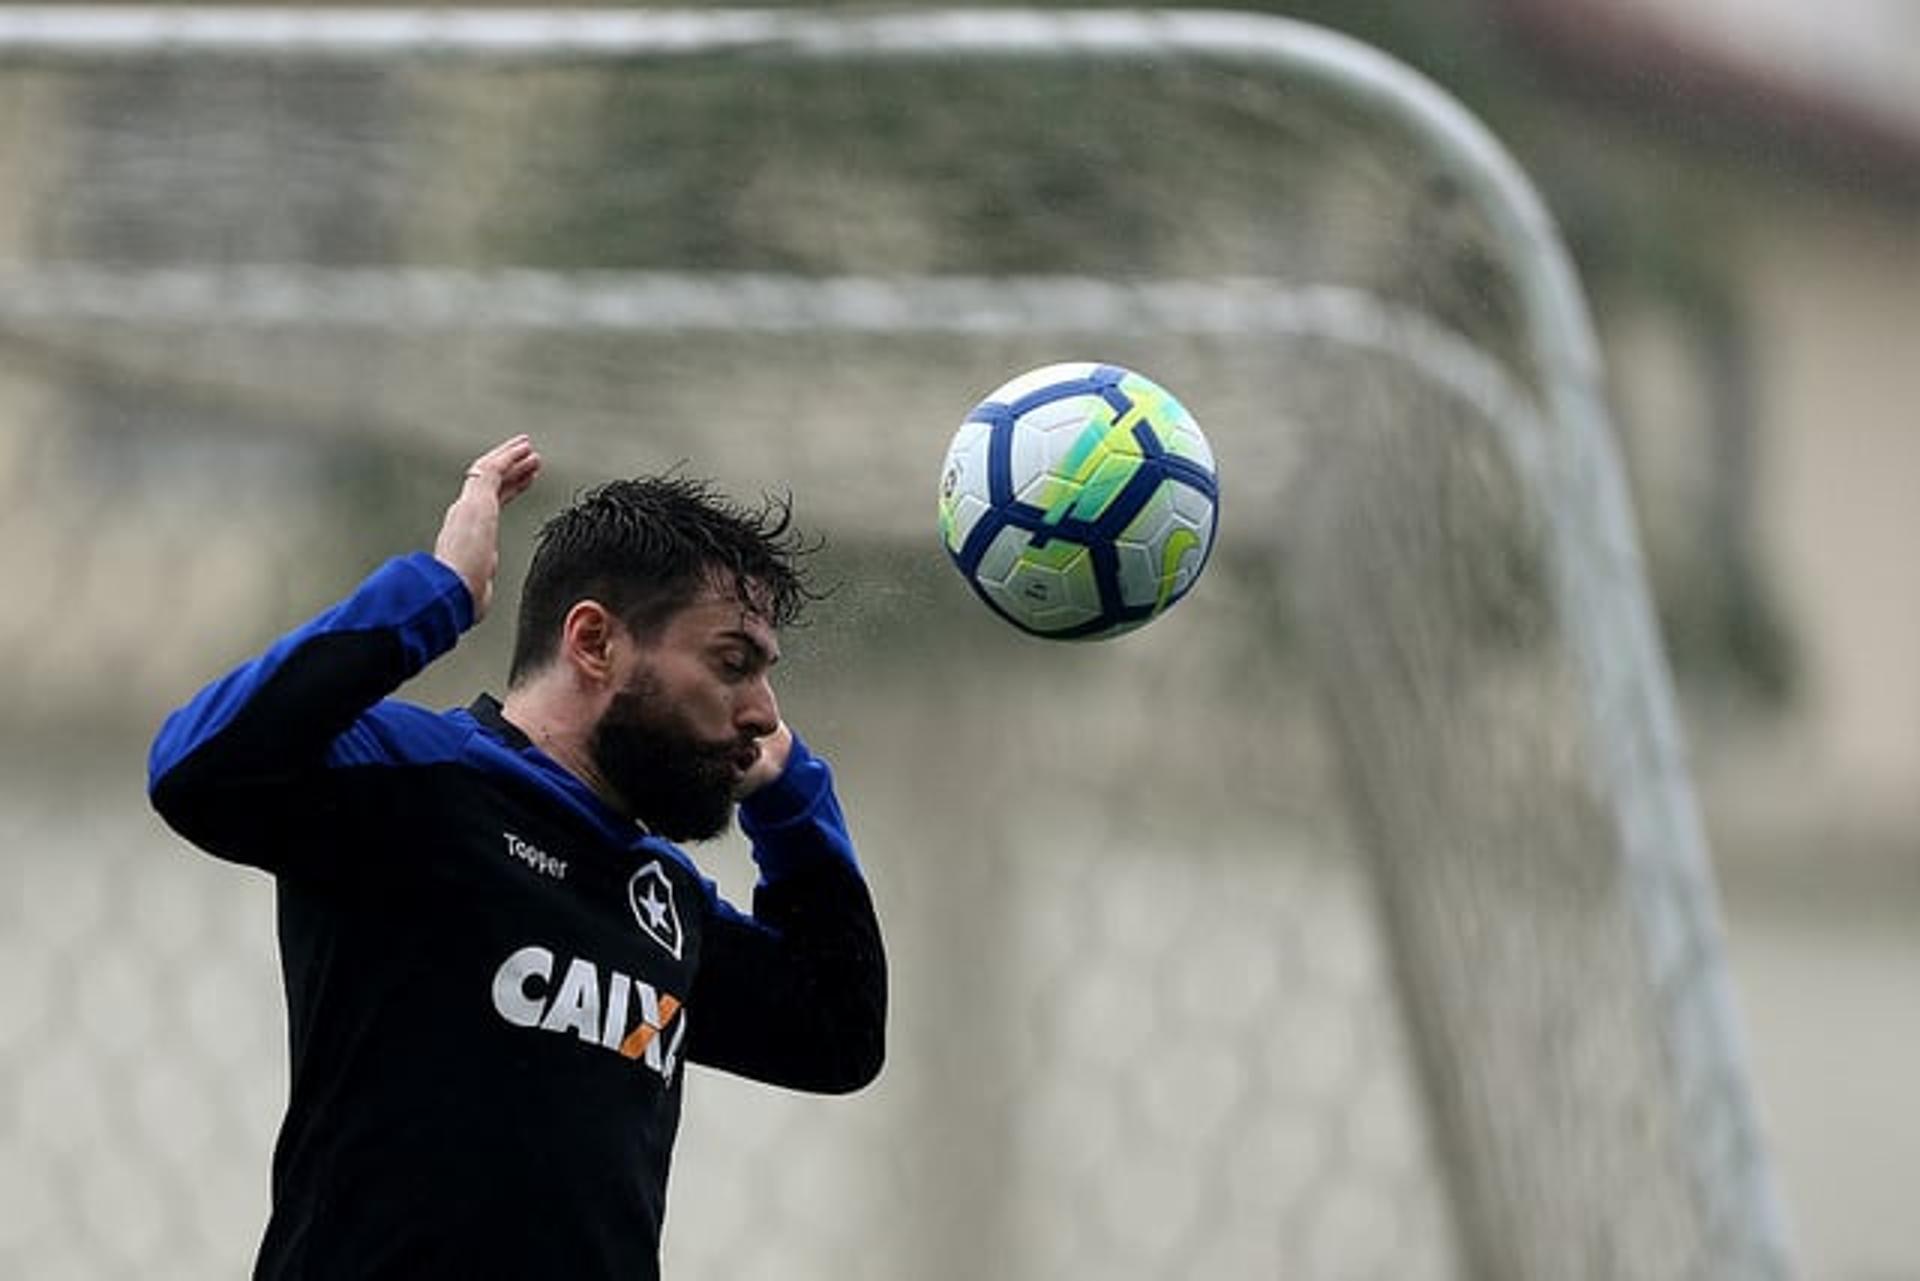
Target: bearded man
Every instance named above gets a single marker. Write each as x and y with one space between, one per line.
497 956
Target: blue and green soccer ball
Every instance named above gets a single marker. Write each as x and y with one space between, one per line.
1080 501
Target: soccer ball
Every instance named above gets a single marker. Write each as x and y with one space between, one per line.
1079 500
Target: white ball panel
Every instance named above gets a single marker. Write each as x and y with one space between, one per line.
1183 439
1152 521
1044 436
1194 556
964 497
967 511
1139 573
1033 487
1143 547
998 560
1194 507
1043 597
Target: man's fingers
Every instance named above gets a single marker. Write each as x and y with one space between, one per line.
469 535
507 469
501 457
520 474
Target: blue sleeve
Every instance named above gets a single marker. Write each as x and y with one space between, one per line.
796 994
795 820
242 765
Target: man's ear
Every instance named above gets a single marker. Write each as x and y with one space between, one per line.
587 637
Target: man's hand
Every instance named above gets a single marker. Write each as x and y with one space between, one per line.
774 749
469 542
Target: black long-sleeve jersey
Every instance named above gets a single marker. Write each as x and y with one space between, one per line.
494 980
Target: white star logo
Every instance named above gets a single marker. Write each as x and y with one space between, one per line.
650 893
655 907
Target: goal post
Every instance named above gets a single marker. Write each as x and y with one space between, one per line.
1428 603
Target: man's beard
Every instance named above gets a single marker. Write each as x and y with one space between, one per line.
678 785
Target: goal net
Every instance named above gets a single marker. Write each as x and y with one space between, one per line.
1352 921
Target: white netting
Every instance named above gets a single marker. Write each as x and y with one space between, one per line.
267 280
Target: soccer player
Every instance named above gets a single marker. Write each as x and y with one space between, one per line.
497 961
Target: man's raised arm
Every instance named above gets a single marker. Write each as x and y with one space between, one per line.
236 769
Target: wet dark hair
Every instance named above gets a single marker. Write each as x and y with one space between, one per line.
646 547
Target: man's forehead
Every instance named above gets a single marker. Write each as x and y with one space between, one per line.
723 606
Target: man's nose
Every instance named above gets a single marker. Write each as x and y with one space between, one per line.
759 711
